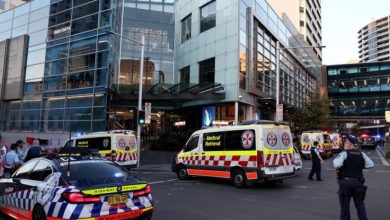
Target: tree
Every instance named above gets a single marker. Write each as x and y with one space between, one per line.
314 115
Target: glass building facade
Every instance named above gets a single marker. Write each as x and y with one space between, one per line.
360 91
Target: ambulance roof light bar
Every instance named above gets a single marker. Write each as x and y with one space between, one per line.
262 122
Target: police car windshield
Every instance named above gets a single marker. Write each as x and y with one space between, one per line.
95 172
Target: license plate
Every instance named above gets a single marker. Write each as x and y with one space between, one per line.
114 200
272 168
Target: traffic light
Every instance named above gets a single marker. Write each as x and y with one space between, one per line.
141 117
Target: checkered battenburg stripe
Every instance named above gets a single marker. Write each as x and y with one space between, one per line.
124 158
279 159
227 161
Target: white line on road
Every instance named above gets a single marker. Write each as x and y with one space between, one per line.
300 187
162 181
384 161
382 171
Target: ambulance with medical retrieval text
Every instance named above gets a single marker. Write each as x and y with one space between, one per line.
324 143
117 145
254 151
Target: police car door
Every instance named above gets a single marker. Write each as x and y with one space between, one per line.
278 149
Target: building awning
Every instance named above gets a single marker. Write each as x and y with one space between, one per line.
167 95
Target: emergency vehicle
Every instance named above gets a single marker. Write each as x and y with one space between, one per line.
324 143
260 151
72 186
337 143
117 145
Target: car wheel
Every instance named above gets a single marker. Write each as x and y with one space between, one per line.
38 213
182 173
239 178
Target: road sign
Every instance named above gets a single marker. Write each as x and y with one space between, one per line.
279 112
148 112
387 116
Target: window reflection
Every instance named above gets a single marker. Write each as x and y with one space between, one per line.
80 80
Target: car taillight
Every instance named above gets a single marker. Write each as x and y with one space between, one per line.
145 191
80 198
260 161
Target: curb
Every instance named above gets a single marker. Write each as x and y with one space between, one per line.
383 154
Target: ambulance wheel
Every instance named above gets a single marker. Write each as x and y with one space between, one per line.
239 178
38 213
182 173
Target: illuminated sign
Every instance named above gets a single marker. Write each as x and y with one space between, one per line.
180 123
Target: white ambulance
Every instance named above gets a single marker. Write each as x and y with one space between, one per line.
337 143
323 139
255 151
117 145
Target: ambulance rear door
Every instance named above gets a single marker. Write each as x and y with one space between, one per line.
278 149
125 146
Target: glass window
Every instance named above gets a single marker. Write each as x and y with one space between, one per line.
8 15
213 141
99 113
56 67
37 56
208 16
57 52
81 63
41 171
38 25
207 71
59 18
22 20
85 24
78 114
83 46
186 28
39 14
87 9
105 4
185 75
19 31
105 19
60 6
38 37
39 4
35 71
23 171
22 10
80 2
80 80
59 31
6 25
240 140
77 101
54 83
192 143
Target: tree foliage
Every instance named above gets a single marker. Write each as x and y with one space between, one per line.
314 115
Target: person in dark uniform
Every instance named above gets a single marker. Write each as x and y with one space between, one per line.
34 151
349 165
316 162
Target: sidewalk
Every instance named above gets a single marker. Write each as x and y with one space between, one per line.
158 161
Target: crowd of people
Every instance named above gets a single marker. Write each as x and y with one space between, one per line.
11 158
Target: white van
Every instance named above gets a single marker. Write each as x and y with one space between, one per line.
117 145
256 151
324 143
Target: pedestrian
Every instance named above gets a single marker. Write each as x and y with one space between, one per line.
3 151
21 151
34 151
11 161
349 165
316 162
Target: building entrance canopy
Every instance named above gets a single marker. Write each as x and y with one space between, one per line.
167 96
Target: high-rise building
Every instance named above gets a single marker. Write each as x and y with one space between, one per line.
9 4
306 17
374 41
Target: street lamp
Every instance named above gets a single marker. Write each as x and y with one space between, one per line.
141 76
278 49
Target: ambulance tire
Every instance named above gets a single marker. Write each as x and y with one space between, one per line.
182 173
239 178
38 213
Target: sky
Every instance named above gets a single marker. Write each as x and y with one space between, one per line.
341 21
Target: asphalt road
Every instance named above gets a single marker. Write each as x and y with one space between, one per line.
296 198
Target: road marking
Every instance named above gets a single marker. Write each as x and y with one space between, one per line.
162 181
382 171
384 161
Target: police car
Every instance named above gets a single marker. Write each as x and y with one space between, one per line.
74 187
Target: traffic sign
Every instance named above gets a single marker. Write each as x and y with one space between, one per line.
387 116
279 112
148 112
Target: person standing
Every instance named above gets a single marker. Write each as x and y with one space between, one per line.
3 151
11 161
316 162
21 151
34 151
349 165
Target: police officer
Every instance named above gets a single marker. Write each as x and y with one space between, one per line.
34 151
11 161
350 164
316 162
